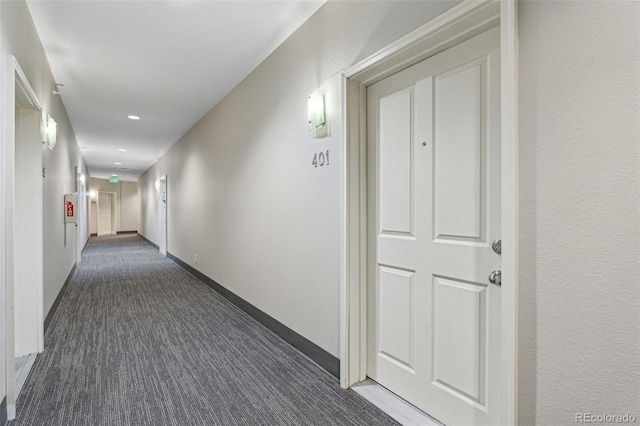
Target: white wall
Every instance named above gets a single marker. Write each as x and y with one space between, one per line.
148 215
128 206
18 37
60 238
242 193
579 198
127 209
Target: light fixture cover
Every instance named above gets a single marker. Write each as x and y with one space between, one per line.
49 136
316 110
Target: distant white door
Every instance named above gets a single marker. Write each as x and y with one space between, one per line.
162 209
105 211
434 210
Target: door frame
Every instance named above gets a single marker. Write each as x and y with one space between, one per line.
114 222
460 23
163 240
81 190
16 84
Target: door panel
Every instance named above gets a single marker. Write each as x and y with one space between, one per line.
434 207
459 337
396 337
457 155
395 163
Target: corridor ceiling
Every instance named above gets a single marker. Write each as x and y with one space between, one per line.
168 62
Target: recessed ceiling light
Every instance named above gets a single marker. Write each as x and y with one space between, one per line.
117 163
133 117
122 150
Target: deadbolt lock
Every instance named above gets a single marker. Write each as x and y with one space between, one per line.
497 246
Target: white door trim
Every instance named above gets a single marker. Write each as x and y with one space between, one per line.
81 190
458 24
163 238
14 77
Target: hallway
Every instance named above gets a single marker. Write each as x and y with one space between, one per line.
137 340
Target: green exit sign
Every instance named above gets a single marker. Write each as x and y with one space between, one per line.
113 179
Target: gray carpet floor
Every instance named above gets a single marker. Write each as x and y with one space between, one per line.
137 340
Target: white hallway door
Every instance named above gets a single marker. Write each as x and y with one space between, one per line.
434 211
105 211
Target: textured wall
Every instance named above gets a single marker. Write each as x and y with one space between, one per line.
242 192
579 188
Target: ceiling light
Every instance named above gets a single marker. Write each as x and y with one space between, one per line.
133 117
117 163
122 150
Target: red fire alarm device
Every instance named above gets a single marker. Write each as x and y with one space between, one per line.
70 207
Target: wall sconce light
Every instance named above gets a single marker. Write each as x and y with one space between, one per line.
49 132
81 176
316 110
93 195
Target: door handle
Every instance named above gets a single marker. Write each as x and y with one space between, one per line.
496 277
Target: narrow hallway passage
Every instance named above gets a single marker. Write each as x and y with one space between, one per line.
137 340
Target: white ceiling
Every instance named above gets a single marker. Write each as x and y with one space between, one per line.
168 62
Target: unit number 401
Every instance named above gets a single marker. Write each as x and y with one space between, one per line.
321 159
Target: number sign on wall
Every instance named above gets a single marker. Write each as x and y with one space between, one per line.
320 159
